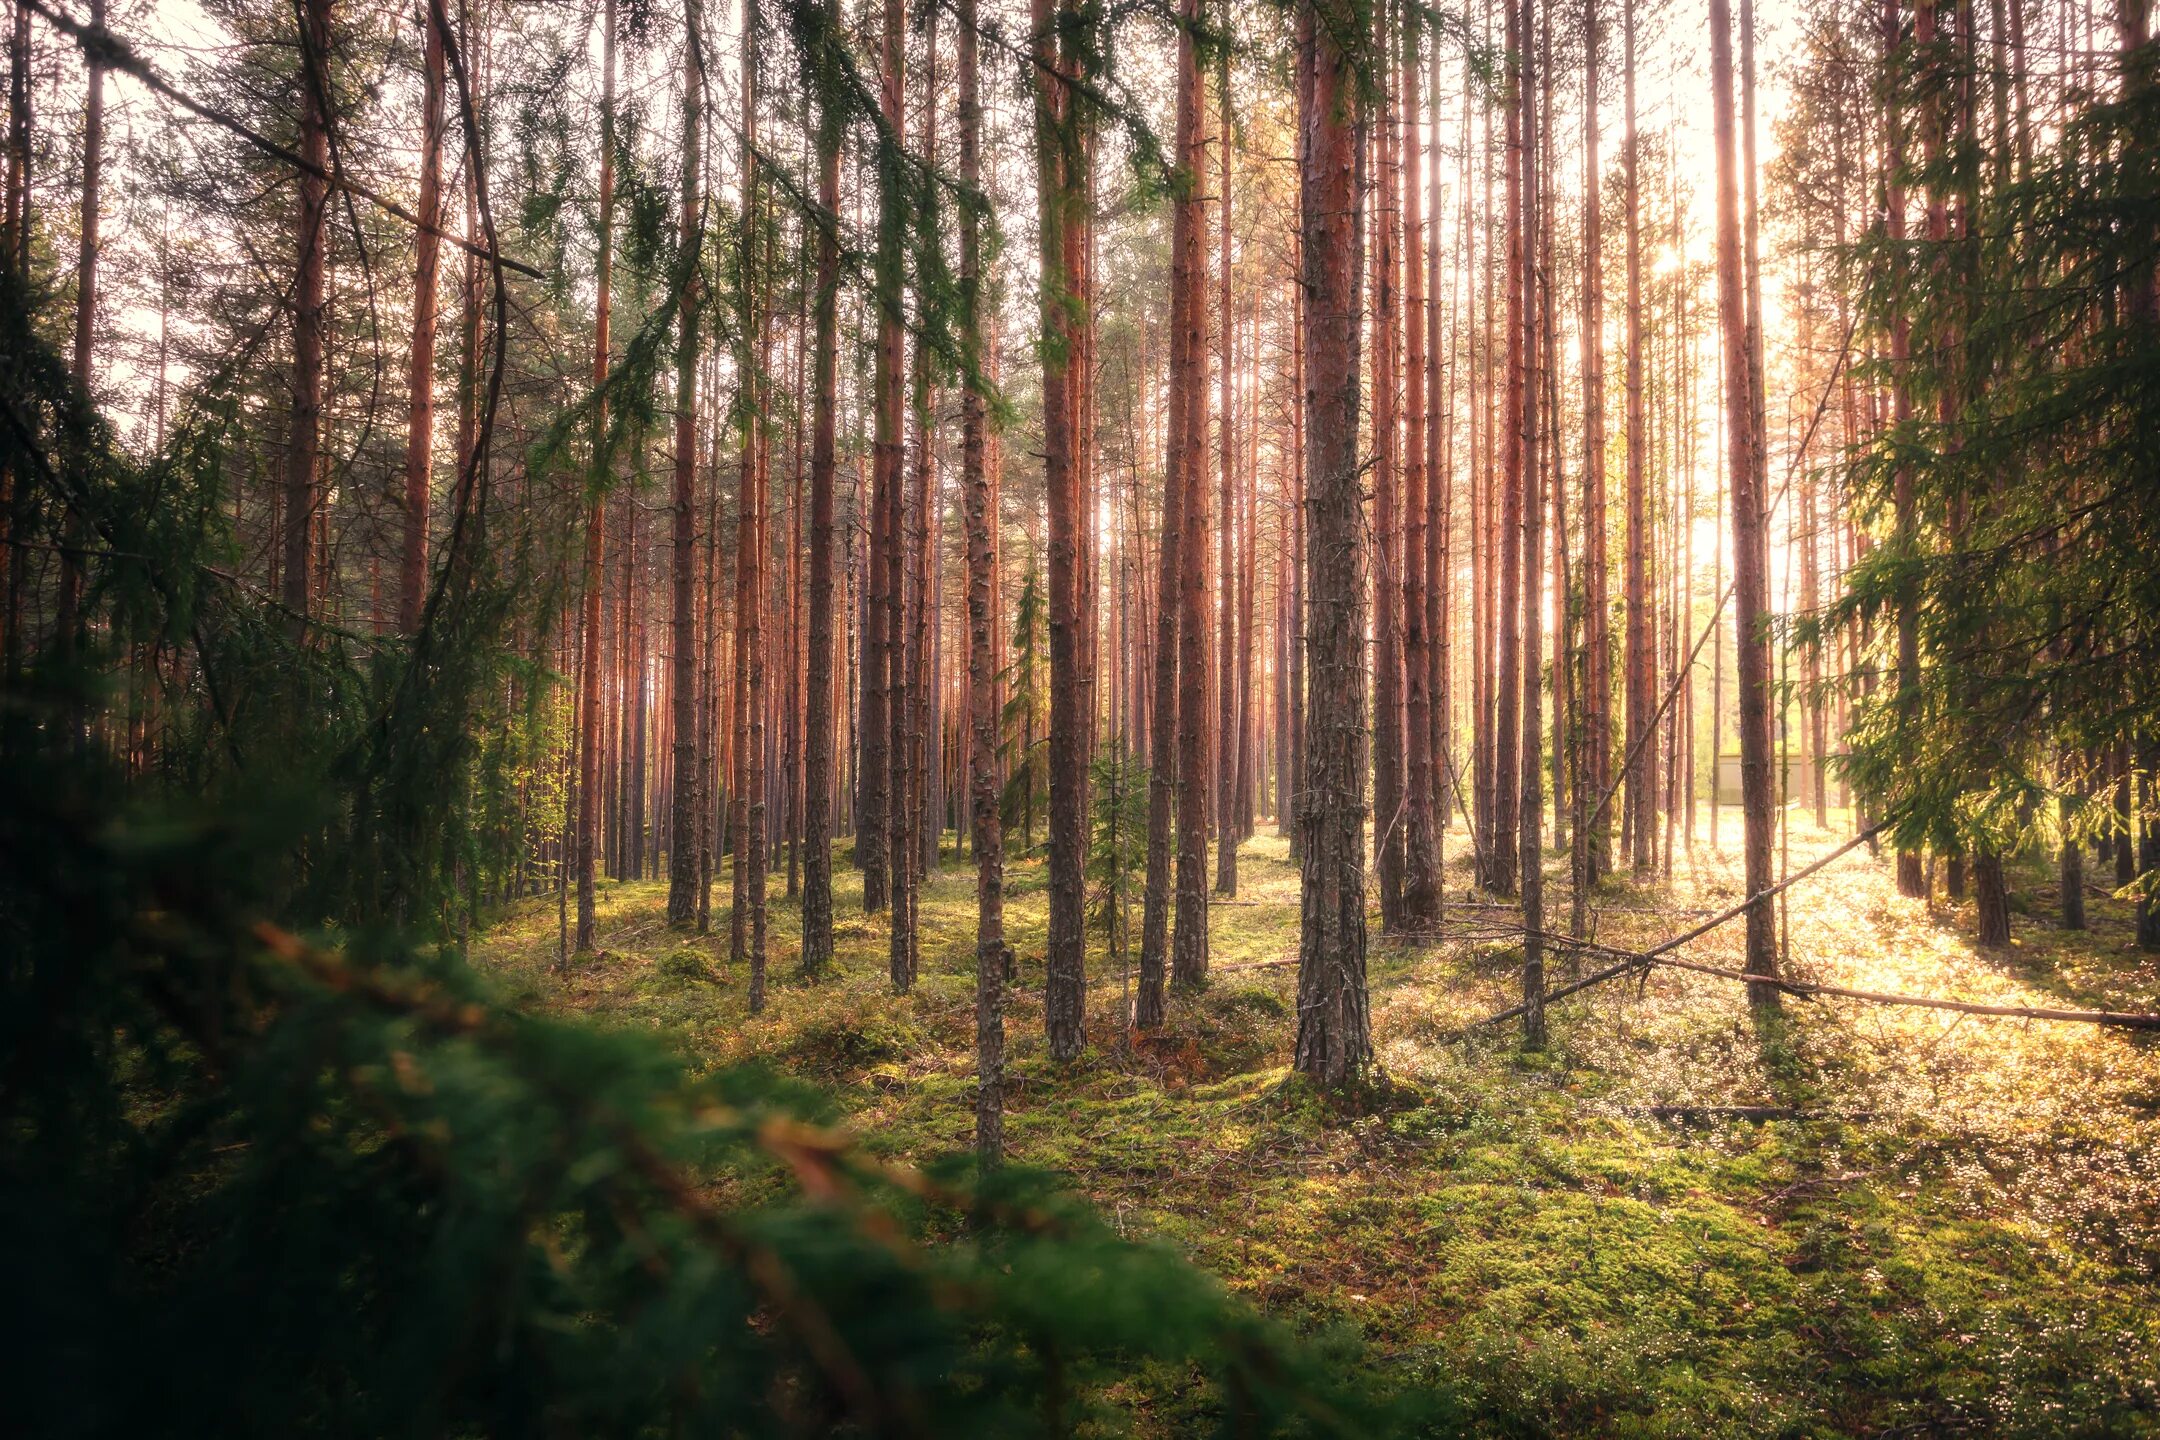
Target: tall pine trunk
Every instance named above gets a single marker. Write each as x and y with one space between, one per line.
303 445
593 682
1058 166
1334 1036
1421 878
1189 941
1596 699
1750 578
420 374
818 727
1641 661
684 822
982 609
880 629
1164 791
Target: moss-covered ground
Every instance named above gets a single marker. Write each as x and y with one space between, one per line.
1959 1235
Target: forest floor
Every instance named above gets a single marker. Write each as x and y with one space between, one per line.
1960 1235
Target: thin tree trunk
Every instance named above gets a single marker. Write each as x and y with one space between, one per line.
1058 156
420 375
1911 875
682 635
749 923
817 913
1526 391
1387 592
1641 662
1421 877
1334 1036
982 609
1226 636
1596 700
1503 848
1166 749
1750 579
880 631
1189 942
303 448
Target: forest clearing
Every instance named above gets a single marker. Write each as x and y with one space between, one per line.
918 718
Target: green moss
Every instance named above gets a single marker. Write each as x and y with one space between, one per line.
1518 1226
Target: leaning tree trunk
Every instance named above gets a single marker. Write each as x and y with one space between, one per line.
1334 1037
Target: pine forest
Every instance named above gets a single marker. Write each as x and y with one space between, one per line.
1088 717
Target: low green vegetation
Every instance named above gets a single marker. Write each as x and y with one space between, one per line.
1956 1232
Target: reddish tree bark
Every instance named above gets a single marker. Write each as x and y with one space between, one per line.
684 807
1387 594
1421 879
1058 166
1189 944
982 609
1750 579
1334 1037
420 374
818 727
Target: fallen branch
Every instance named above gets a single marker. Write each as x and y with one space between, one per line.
1633 960
1745 1112
2117 1019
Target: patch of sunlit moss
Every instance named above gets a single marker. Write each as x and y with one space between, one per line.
1960 1232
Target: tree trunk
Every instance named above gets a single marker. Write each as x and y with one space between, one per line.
818 728
593 690
1226 636
683 822
1387 591
1421 878
1596 700
303 447
1189 943
749 822
1057 161
1641 662
1334 1037
1526 389
420 376
1750 578
982 609
1503 844
880 630
1165 800
1911 876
